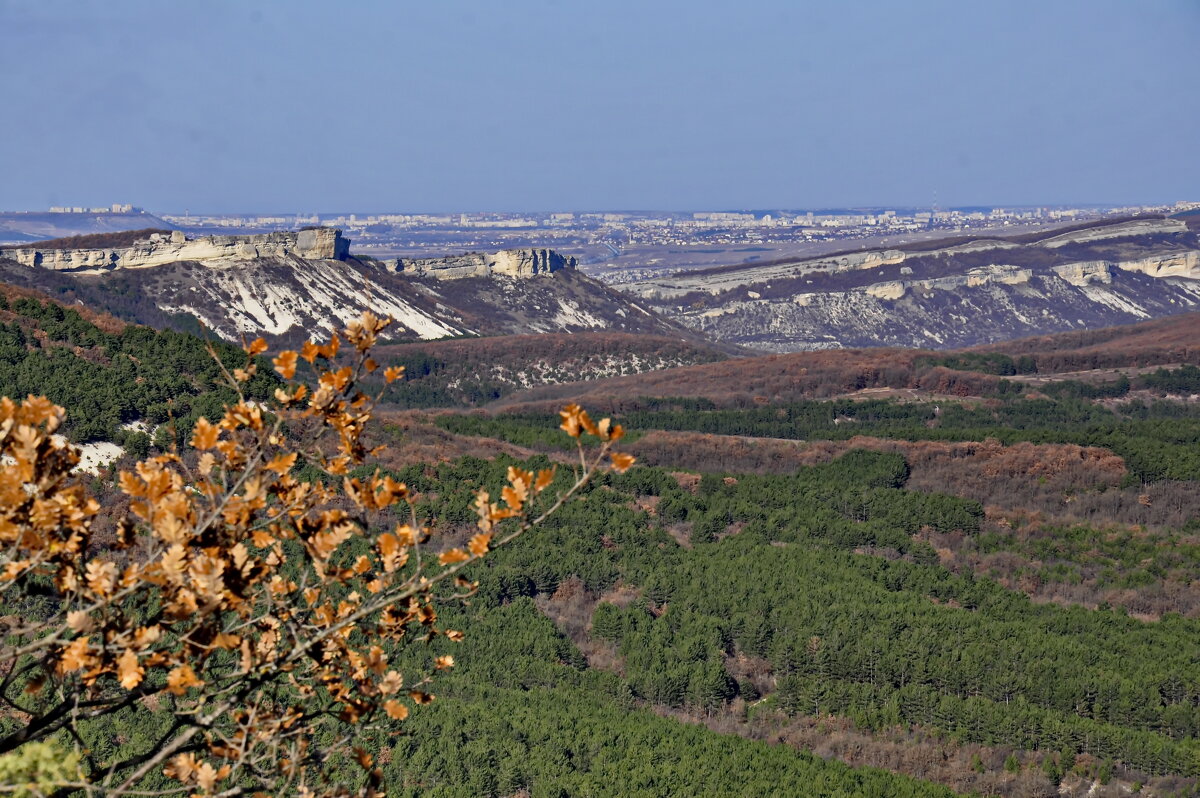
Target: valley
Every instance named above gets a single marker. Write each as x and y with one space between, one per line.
600 400
851 566
284 285
951 293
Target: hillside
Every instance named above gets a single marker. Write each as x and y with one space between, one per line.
30 226
807 577
474 371
943 589
751 381
944 294
929 561
125 387
124 238
1170 340
287 285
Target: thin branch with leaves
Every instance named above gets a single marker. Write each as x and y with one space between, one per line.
254 607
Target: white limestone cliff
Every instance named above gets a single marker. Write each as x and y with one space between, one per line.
994 274
1137 227
1085 272
322 243
510 262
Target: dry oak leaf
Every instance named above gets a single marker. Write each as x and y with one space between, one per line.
207 776
395 709
181 678
453 556
622 462
129 671
101 577
392 682
310 351
570 420
76 656
513 497
285 364
204 436
282 463
406 535
181 768
131 485
589 426
479 543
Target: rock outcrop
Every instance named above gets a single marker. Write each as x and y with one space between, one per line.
1174 264
1138 227
972 291
296 285
321 243
510 262
1085 272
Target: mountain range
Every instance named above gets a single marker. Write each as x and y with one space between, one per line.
951 293
957 292
288 285
875 554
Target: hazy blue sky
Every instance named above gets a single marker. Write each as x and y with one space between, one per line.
655 104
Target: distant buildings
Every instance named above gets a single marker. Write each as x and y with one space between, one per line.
114 208
386 234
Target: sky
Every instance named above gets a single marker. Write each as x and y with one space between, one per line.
228 106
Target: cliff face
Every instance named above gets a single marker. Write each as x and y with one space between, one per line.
510 262
293 285
968 293
314 244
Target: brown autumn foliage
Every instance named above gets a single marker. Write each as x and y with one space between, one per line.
978 470
251 606
518 350
105 321
413 438
121 238
741 382
1150 343
768 379
1063 482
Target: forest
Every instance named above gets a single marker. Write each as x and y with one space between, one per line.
980 595
105 379
1157 439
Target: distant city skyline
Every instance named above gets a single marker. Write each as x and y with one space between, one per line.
532 105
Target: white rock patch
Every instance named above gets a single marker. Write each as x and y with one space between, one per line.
95 456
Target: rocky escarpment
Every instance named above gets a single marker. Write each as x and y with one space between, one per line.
509 262
967 293
321 243
1135 228
300 284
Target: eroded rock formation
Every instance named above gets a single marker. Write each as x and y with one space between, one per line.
510 262
321 243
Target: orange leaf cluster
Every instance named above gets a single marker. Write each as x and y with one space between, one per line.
237 578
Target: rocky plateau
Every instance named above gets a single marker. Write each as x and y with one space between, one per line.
960 293
291 285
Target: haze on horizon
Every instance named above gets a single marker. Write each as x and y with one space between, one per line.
536 105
